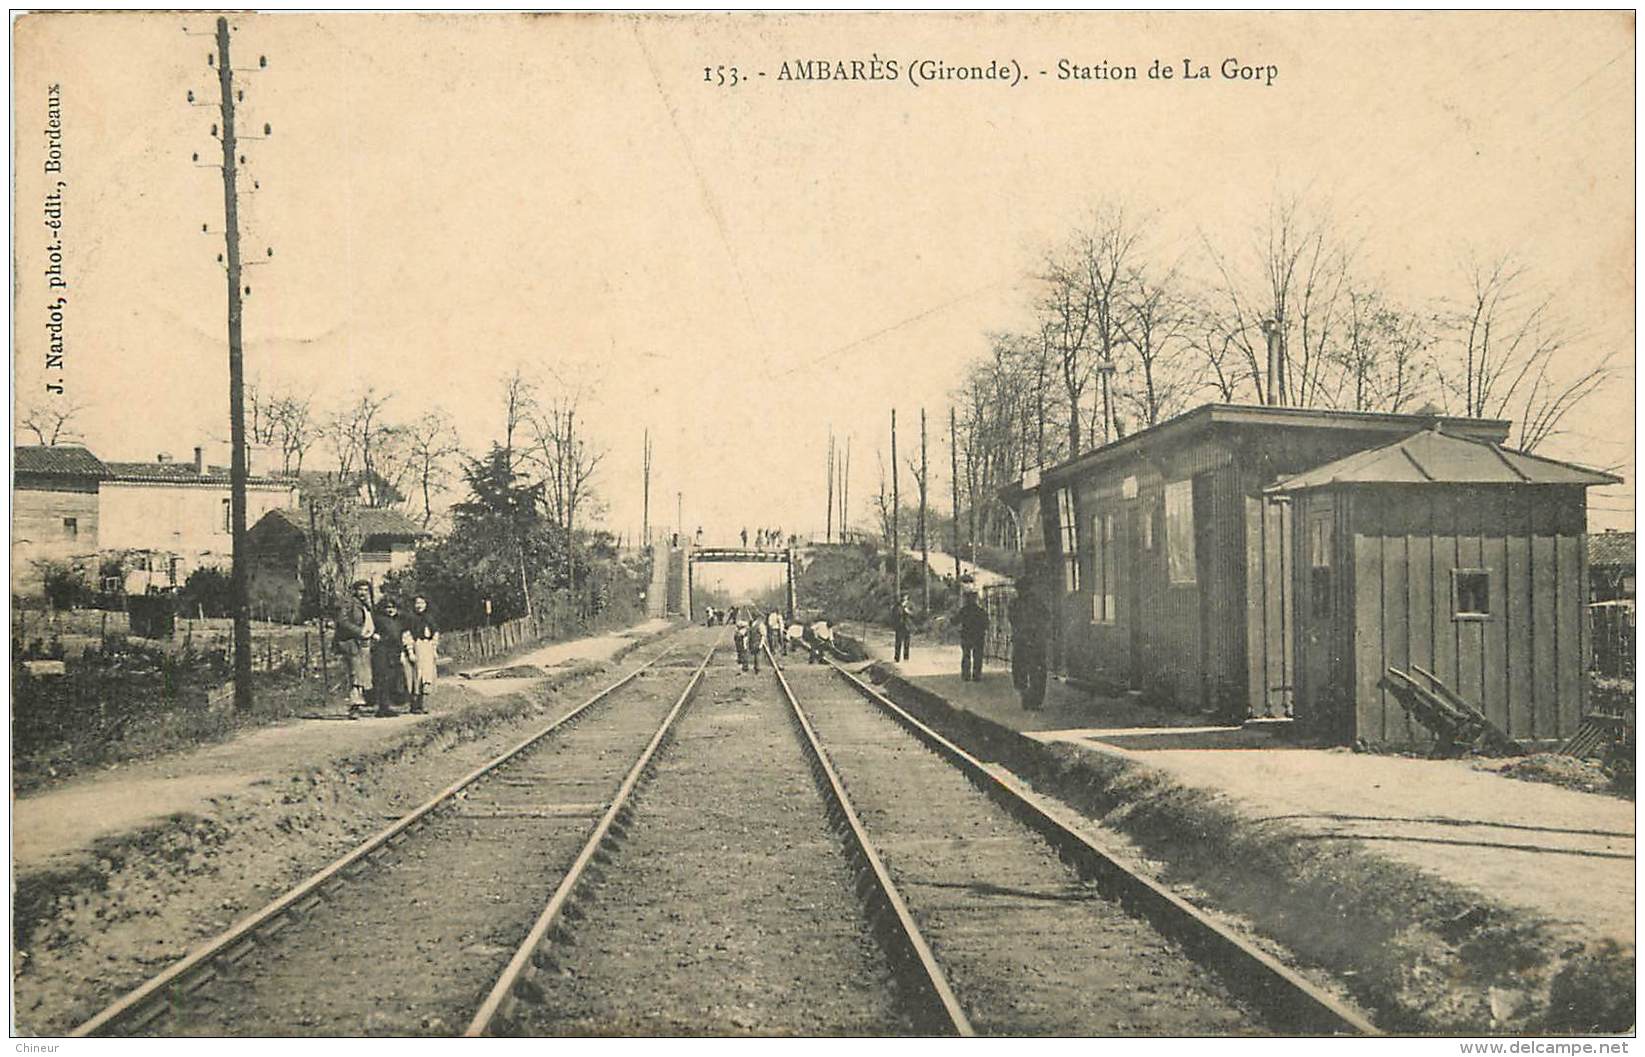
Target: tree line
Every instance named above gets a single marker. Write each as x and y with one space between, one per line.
1129 328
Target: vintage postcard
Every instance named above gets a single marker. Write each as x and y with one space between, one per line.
1101 524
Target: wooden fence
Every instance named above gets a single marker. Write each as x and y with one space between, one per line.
479 644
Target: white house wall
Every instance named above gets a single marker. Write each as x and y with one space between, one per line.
184 518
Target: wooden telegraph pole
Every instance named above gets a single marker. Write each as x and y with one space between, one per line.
645 509
896 514
845 494
925 525
954 482
828 525
238 582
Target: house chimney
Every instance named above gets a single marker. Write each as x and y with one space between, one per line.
200 461
162 457
1276 363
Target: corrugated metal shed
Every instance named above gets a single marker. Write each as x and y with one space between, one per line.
1435 457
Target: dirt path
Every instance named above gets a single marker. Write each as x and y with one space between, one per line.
728 909
1564 855
67 819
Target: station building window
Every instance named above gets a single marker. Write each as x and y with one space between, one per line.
1068 527
1179 531
1103 609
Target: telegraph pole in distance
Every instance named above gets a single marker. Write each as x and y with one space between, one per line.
845 493
645 509
925 524
896 514
238 582
828 525
954 482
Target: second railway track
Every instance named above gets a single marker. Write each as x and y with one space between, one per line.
404 935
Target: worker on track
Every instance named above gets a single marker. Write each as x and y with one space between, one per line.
756 642
822 637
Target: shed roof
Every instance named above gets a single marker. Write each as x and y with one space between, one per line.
63 460
1436 457
1206 417
373 521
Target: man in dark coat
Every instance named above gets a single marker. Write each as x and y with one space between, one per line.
1030 625
902 628
973 632
355 631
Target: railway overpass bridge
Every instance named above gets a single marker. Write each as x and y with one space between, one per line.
681 563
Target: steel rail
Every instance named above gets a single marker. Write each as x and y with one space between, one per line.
518 976
247 929
908 946
1279 991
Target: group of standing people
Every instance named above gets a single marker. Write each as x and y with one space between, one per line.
757 632
390 655
973 624
763 538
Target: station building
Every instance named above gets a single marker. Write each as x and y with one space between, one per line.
1274 562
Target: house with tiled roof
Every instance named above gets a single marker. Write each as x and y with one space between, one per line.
54 511
1610 566
180 510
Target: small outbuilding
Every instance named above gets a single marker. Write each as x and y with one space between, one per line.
1451 554
279 546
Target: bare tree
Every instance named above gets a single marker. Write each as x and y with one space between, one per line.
1384 348
1081 305
369 448
519 404
51 421
283 420
1506 354
431 443
1154 326
568 463
1300 281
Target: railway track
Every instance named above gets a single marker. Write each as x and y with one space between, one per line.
1012 895
787 853
402 934
728 906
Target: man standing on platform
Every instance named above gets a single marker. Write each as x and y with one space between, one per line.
902 628
1030 623
973 633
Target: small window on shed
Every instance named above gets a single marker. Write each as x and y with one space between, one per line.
71 527
1471 594
1319 565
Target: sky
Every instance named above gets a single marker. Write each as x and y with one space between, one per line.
743 269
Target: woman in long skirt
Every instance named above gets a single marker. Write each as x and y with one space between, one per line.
425 647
